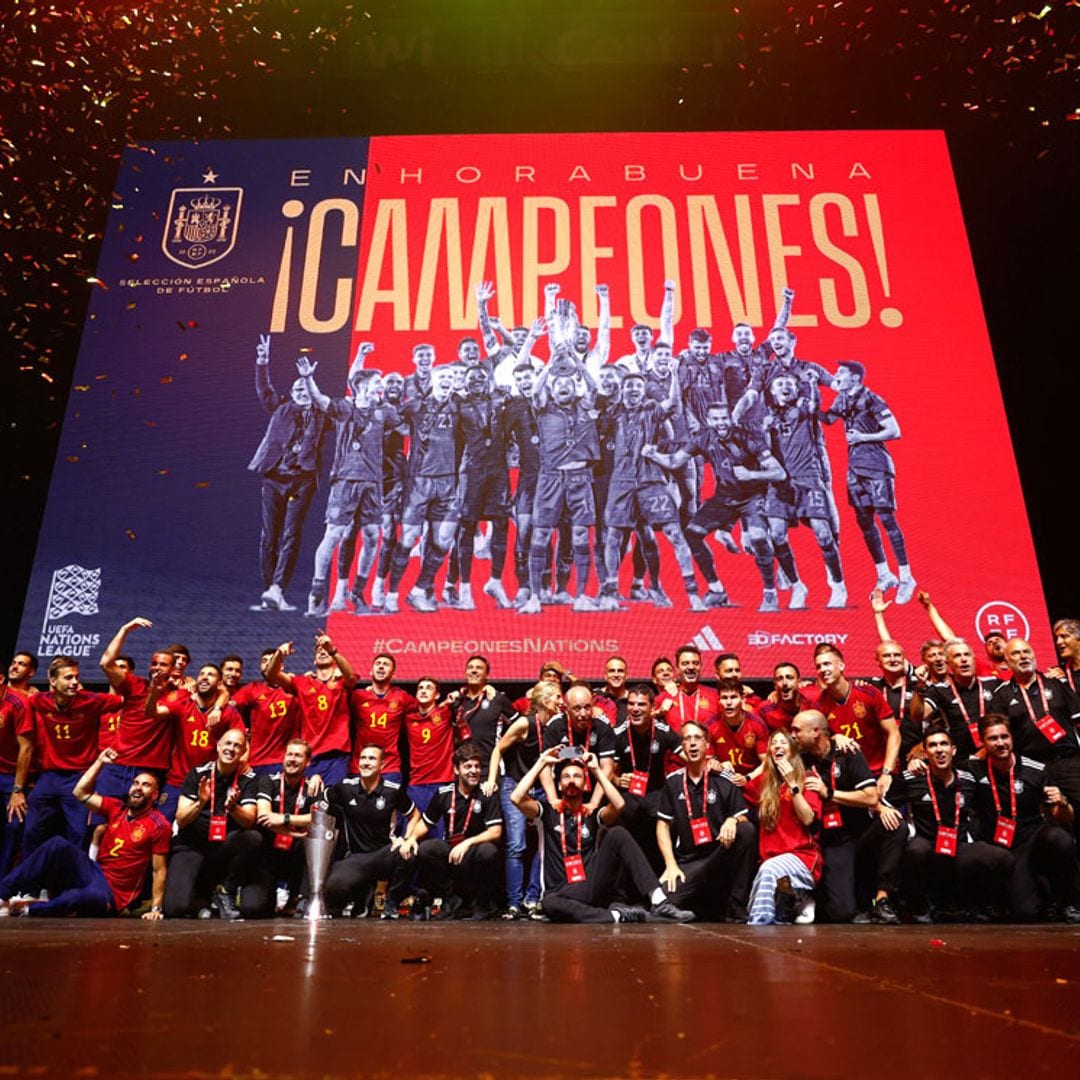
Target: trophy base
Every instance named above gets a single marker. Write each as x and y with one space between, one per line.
316 910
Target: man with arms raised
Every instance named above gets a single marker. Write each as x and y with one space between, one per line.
579 875
136 836
323 700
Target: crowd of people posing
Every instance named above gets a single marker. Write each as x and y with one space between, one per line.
939 791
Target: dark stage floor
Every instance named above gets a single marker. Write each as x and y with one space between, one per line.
109 999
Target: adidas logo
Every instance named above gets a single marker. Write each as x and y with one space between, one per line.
707 641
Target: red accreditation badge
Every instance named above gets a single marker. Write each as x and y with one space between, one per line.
218 826
575 869
830 817
946 841
639 782
976 738
700 830
281 842
1005 832
1050 729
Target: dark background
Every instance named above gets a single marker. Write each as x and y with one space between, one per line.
81 80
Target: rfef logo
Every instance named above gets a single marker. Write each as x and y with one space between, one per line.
201 225
1001 617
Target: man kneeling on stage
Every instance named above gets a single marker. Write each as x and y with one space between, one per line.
217 846
135 836
466 863
580 873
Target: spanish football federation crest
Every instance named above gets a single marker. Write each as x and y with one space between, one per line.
201 225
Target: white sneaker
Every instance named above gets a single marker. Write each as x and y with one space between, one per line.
769 601
585 603
282 898
905 590
341 597
378 593
799 593
531 606
494 588
465 598
887 581
838 595
804 910
390 603
783 583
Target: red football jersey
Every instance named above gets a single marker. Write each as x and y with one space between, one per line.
859 717
68 738
324 713
778 715
674 709
143 741
743 747
431 746
126 847
12 710
378 723
196 741
273 718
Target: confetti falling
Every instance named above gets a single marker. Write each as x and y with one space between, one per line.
80 81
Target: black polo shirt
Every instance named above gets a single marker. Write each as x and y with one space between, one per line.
599 734
472 814
1029 779
722 799
842 772
485 717
650 744
197 834
949 700
367 816
579 841
914 791
1062 704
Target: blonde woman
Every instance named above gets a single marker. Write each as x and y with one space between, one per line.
787 840
516 751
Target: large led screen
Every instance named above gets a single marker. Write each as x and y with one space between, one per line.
645 388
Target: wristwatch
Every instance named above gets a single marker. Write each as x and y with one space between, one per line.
288 819
17 789
795 790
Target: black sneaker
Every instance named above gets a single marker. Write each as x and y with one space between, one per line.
223 903
883 912
628 913
862 918
667 910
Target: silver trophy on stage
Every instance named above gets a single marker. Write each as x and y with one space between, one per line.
319 850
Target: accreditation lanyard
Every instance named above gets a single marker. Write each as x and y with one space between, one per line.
682 703
457 837
281 841
573 864
639 778
219 822
946 835
1005 829
1048 727
830 812
973 725
1069 676
700 829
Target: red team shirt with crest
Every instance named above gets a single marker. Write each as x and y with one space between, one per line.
378 723
143 741
127 846
742 747
324 713
196 740
859 717
12 710
273 718
66 738
675 709
431 746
